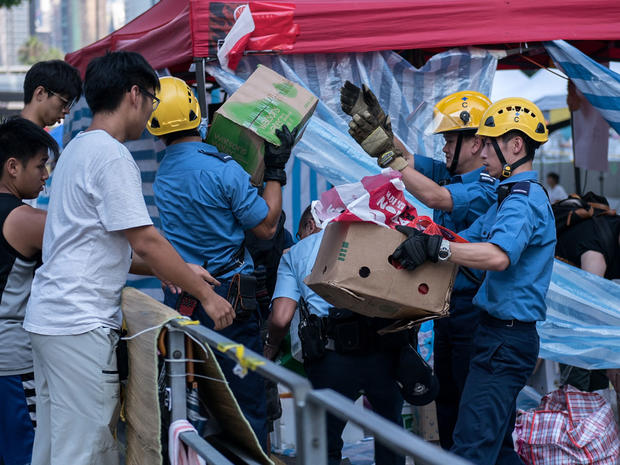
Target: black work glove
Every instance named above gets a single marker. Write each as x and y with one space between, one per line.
416 249
277 156
355 100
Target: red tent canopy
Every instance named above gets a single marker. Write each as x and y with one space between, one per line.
172 32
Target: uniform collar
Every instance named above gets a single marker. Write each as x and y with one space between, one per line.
524 176
183 148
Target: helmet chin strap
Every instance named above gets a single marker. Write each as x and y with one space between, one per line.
507 169
457 152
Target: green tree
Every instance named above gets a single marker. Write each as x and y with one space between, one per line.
9 3
33 50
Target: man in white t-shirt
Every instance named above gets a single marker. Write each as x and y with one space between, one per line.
96 216
556 191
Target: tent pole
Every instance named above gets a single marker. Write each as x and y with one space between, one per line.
575 167
201 86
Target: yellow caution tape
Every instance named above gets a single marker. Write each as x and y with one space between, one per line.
246 363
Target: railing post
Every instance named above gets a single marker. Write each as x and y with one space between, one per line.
176 374
310 432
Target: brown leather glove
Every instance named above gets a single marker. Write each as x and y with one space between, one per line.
355 100
377 140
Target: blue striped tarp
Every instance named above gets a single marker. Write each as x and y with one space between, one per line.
583 319
326 151
600 85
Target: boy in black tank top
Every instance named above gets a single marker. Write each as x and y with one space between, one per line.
24 149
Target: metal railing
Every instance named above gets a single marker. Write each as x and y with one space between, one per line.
310 407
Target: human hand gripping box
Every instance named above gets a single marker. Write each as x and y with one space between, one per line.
352 271
261 105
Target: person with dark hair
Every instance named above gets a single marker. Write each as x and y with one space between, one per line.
24 149
206 203
514 242
96 216
556 191
50 90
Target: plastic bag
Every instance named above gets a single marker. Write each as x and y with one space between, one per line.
378 199
569 426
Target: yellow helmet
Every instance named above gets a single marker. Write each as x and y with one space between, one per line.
460 111
514 113
178 109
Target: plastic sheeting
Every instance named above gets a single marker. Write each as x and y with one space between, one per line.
404 92
583 319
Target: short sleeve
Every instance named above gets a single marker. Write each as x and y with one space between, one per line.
120 203
433 169
470 201
286 285
249 208
513 226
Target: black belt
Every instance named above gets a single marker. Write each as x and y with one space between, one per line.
492 321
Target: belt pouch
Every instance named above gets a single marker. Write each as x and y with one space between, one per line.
350 331
242 296
312 337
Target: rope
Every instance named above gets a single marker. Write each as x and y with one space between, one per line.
200 376
544 67
243 363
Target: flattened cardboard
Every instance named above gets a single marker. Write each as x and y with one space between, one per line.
252 114
352 271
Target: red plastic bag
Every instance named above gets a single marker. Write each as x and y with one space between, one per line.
377 199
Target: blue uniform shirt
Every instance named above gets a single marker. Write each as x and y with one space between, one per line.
205 205
472 195
295 265
523 227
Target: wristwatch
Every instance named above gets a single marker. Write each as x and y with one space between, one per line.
444 250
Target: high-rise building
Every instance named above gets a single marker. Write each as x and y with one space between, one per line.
14 31
134 8
82 22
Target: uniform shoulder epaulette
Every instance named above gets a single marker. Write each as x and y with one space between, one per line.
522 188
486 177
222 156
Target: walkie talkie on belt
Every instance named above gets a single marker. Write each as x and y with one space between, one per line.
311 334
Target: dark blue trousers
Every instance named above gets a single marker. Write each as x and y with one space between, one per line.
374 374
249 390
453 349
504 357
16 428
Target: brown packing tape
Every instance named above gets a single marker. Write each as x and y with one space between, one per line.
142 406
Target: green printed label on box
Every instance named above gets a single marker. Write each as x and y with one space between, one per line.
264 117
286 88
234 140
264 103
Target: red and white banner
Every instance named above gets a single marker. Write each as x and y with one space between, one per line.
237 39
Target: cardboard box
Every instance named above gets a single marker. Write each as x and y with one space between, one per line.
421 421
352 271
261 105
